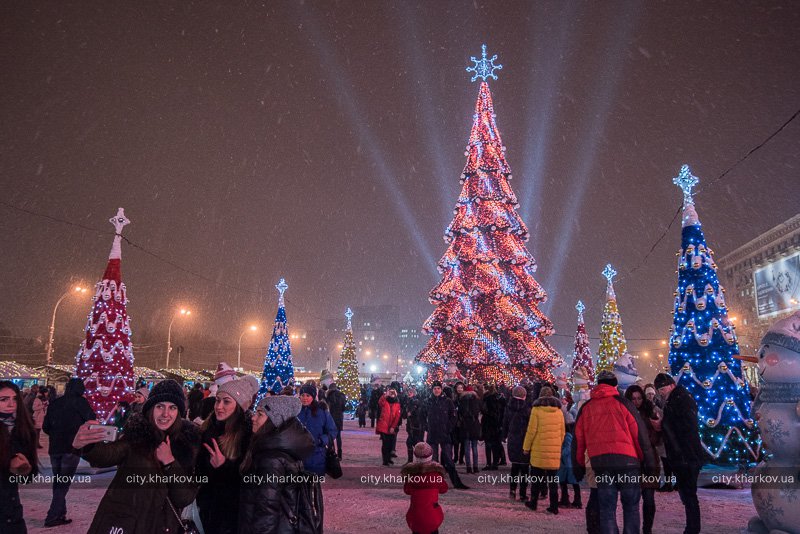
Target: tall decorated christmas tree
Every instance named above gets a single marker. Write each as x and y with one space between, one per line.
278 367
105 358
487 320
582 357
612 338
703 345
347 372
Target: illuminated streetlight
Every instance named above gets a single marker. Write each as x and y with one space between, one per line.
663 342
183 312
252 328
73 291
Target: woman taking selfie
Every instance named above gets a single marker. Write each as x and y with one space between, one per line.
18 446
156 443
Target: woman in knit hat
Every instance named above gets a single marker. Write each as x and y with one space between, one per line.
318 421
268 502
424 482
155 459
542 442
515 424
225 437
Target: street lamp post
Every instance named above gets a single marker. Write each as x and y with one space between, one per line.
252 328
182 312
76 289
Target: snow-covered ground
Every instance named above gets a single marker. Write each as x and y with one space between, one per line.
354 503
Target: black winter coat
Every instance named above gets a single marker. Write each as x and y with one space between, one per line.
272 504
220 495
441 418
11 514
469 411
515 425
492 422
336 404
142 508
415 416
65 415
681 432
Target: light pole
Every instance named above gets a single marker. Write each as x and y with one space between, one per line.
76 289
252 328
182 312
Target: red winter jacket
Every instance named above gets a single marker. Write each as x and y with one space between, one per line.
607 430
390 416
424 482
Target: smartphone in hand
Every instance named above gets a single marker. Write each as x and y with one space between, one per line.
109 431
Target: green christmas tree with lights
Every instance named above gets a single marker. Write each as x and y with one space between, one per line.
347 372
612 338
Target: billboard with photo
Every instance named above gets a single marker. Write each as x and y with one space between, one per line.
778 286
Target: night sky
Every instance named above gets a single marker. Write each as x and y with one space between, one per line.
323 142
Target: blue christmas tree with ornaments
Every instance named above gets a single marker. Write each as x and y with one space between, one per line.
278 367
703 346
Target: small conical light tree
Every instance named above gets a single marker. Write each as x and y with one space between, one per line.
703 345
612 338
278 366
582 357
105 358
347 372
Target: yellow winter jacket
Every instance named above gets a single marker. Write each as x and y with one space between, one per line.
545 433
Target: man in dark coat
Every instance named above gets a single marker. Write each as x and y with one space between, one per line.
515 425
336 404
64 416
494 404
682 442
415 416
374 397
196 401
441 418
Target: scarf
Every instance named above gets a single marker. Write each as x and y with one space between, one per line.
8 419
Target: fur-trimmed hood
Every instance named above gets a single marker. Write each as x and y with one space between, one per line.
415 469
145 437
468 394
547 401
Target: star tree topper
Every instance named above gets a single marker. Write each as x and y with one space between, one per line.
281 287
349 315
686 181
484 68
580 307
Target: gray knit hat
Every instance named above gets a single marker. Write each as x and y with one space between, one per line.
242 390
280 408
519 392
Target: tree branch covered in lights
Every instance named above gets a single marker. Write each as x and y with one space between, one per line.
703 345
487 319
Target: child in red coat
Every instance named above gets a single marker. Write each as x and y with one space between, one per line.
424 482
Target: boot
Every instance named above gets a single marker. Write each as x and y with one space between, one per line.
454 478
533 502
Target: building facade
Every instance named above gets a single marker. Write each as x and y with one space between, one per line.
762 282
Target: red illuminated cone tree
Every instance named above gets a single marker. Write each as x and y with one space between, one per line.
487 320
105 358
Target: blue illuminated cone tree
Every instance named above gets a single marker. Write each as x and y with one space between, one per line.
487 319
612 338
278 367
703 345
105 358
347 372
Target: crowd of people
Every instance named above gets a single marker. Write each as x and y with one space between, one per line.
216 456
